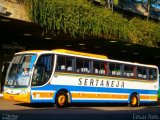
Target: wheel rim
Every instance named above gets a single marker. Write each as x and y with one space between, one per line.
134 100
61 99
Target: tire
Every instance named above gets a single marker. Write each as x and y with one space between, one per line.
134 100
61 99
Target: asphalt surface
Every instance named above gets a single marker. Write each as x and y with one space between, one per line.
10 110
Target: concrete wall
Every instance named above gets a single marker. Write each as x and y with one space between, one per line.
15 9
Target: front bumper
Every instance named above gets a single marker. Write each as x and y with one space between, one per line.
17 97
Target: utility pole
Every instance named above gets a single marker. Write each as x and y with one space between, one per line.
148 9
112 2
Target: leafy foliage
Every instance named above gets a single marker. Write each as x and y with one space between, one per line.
144 32
82 18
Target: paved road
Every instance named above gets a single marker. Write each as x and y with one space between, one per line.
10 110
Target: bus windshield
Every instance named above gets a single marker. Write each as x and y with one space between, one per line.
19 72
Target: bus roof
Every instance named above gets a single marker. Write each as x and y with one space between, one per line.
33 51
70 52
64 51
131 63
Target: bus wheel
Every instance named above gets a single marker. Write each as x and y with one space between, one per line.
134 101
61 99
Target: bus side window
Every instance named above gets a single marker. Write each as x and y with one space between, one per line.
139 72
129 71
79 65
61 63
134 71
115 69
69 63
103 68
142 72
111 68
96 67
152 74
87 66
83 65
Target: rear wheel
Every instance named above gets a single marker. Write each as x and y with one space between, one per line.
134 101
61 99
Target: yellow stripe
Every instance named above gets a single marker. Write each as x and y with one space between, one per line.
43 94
111 96
150 97
104 96
80 53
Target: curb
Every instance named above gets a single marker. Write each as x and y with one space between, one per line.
1 95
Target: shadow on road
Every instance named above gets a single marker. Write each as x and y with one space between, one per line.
36 105
81 105
24 111
44 105
42 112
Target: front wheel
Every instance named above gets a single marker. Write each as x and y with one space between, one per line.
134 101
61 99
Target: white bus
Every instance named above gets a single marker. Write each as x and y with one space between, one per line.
63 76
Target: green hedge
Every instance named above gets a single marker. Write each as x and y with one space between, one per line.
82 18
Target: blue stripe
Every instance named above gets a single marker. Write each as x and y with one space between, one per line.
101 101
109 101
91 101
141 101
94 89
41 101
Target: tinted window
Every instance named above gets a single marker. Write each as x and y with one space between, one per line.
65 63
79 65
129 71
96 67
43 70
142 72
70 64
61 65
152 73
115 69
100 67
83 65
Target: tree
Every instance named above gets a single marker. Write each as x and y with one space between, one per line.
80 18
149 3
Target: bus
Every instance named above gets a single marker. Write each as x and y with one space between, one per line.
159 90
159 93
63 77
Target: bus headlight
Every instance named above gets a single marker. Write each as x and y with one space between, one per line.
5 90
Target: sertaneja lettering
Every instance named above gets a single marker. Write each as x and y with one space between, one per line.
101 83
80 81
